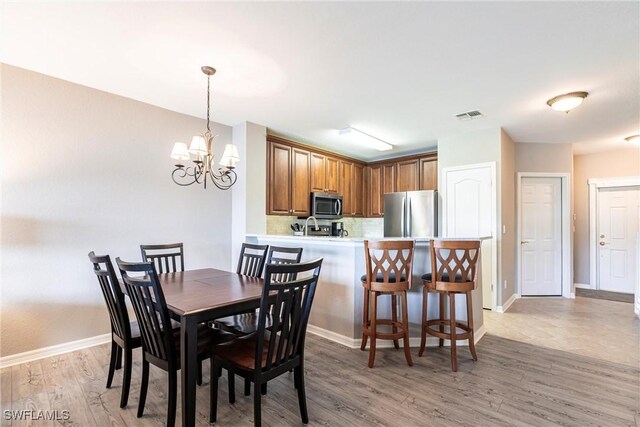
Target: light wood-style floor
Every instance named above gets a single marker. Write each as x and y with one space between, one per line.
515 382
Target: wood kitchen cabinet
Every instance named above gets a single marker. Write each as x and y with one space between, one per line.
324 173
345 187
375 191
289 177
358 190
408 174
389 178
429 173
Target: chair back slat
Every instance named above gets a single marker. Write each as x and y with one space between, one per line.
167 258
283 255
455 261
113 295
150 308
389 264
252 259
290 305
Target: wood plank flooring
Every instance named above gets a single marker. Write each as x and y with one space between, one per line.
513 383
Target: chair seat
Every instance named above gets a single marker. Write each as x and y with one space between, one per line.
242 324
242 352
380 278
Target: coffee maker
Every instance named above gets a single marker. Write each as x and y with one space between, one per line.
337 229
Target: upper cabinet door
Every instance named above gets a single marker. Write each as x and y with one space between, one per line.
300 181
375 198
318 172
429 173
331 183
345 187
408 173
357 190
279 185
389 178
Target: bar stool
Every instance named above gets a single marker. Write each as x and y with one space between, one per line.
454 264
388 265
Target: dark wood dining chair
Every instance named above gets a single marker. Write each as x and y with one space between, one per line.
388 266
125 335
252 259
167 258
454 270
161 344
266 354
247 323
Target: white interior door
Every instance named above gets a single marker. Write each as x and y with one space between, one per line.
469 212
541 236
618 212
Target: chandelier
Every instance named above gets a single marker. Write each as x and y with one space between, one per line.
201 149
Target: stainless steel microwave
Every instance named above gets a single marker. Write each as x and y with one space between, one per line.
326 206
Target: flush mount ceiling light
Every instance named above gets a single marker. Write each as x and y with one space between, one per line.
364 139
634 139
201 149
567 102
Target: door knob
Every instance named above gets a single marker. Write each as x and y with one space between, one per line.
524 242
602 243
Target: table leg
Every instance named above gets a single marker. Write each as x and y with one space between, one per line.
189 368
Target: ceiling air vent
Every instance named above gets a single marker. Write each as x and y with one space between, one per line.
475 114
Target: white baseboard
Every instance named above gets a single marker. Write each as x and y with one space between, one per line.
41 353
504 307
582 285
413 341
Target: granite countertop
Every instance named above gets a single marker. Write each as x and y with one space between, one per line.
350 240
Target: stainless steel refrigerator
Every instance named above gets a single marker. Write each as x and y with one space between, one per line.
411 214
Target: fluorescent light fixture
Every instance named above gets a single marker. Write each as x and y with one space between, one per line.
567 102
358 137
634 139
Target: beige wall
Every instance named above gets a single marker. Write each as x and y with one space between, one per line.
610 164
86 170
553 158
508 208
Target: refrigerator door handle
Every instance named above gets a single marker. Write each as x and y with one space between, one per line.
408 234
402 216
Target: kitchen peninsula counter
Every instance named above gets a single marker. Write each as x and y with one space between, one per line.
337 307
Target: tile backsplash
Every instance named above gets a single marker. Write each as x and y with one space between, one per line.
357 227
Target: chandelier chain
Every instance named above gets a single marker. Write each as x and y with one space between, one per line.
208 102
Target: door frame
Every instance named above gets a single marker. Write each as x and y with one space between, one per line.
494 217
594 185
565 219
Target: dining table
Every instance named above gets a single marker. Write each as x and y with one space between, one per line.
197 296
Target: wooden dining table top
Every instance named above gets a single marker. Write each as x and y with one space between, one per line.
193 291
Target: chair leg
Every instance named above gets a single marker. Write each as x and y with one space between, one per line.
144 383
199 375
247 387
302 398
213 392
452 332
423 333
119 358
263 389
173 398
472 344
231 377
405 327
365 319
441 297
112 362
257 401
394 318
373 328
126 382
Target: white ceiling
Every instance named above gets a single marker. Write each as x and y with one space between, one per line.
399 71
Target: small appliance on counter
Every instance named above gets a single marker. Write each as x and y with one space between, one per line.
338 230
322 230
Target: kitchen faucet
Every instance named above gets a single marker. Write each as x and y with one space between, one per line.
306 224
